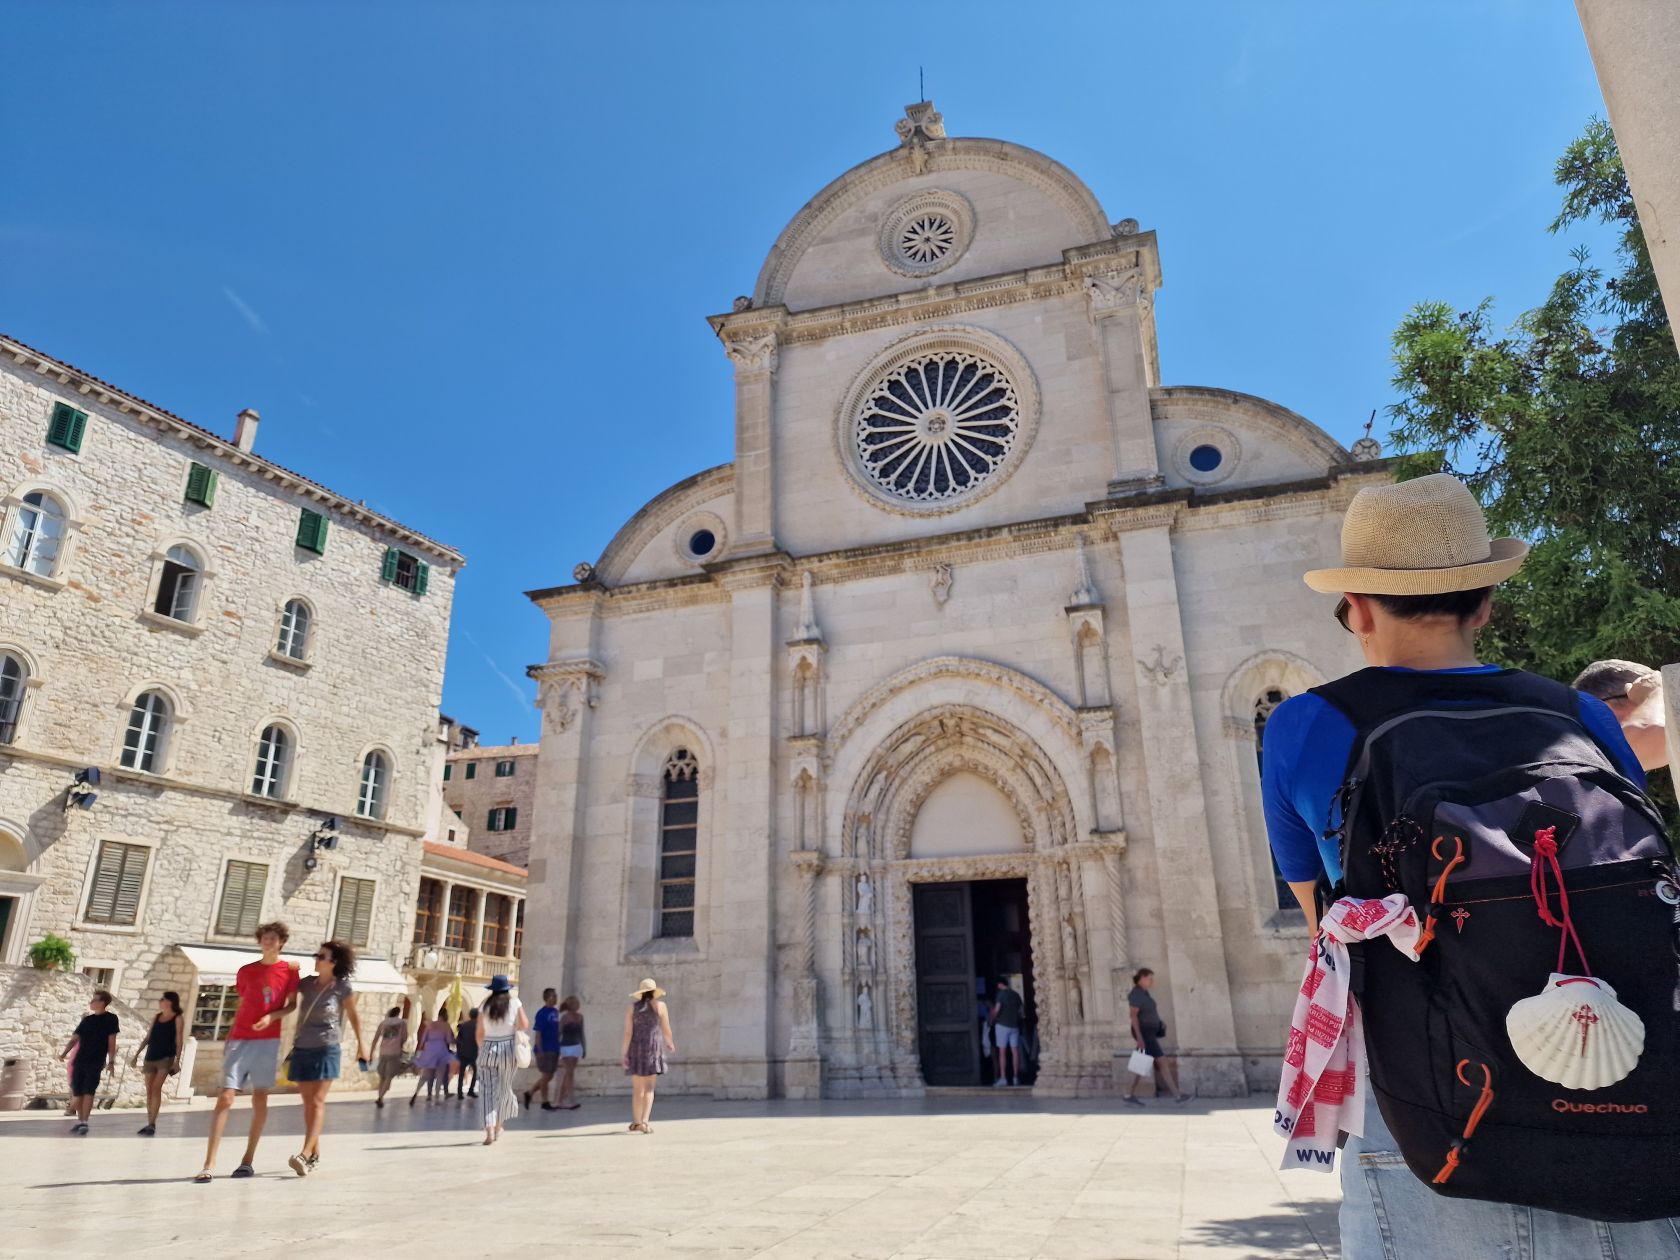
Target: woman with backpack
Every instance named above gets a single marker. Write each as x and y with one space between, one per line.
1401 788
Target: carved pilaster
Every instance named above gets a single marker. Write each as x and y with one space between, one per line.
754 352
1120 300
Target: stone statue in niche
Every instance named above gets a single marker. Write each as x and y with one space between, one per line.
1077 997
1064 884
865 1008
1070 943
865 950
865 894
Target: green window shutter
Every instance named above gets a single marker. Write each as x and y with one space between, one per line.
422 576
201 485
490 821
312 531
67 427
447 769
242 895
388 570
472 769
118 877
510 818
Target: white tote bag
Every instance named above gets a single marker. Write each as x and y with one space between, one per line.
1140 1064
522 1048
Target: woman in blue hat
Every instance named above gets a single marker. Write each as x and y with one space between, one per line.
498 1019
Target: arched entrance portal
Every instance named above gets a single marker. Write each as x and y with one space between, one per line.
958 819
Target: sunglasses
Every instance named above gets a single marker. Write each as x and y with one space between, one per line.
1343 608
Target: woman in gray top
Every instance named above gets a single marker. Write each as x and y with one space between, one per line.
323 1000
1147 1031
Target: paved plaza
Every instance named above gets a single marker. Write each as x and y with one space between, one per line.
960 1177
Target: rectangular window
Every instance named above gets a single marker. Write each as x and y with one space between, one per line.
428 912
679 824
519 930
406 572
354 917
242 896
67 428
447 769
312 531
504 769
472 770
119 873
104 977
461 930
201 485
498 917
214 1011
502 818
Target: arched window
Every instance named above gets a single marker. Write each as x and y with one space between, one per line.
376 779
1263 709
37 534
274 758
148 732
294 629
14 677
679 829
177 594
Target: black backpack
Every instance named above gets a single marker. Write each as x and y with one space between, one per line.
1459 786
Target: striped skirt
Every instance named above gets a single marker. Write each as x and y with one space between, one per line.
496 1066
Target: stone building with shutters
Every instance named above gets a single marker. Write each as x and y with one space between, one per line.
954 673
250 663
489 789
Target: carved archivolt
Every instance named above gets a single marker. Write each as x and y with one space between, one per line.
1250 680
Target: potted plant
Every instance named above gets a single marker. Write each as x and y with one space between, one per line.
52 953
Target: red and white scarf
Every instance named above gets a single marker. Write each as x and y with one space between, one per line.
1322 1093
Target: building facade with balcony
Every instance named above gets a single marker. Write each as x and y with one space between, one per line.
250 663
469 924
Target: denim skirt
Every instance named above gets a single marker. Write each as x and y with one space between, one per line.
313 1063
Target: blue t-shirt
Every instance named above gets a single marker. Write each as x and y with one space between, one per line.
547 1025
1307 744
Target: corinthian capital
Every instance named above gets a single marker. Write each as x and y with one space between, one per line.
752 355
1116 290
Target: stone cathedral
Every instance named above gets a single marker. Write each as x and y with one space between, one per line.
957 672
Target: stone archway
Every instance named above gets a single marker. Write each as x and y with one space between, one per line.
877 1049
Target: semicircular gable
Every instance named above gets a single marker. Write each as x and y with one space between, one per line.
1059 186
661 512
1260 442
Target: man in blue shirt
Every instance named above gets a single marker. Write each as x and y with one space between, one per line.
546 1028
1416 582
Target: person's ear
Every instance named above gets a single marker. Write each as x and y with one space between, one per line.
1482 615
1362 618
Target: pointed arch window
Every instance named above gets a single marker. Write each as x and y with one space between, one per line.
679 831
274 759
1264 707
376 782
14 679
37 534
147 736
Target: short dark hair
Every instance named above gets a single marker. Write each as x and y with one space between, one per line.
1003 982
550 993
343 959
1459 605
278 928
1140 973
102 995
393 1012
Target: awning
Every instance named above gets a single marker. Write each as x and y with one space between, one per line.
217 964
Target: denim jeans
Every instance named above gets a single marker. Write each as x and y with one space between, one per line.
1388 1214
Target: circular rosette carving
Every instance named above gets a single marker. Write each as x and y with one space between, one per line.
926 233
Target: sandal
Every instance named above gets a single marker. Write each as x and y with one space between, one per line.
203 1177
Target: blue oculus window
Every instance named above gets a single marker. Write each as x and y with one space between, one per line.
1205 458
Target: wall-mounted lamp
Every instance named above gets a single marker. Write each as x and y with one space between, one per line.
325 836
81 792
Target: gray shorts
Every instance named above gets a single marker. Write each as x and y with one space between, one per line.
250 1064
1005 1037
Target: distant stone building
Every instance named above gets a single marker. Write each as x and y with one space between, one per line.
957 671
491 788
251 663
469 923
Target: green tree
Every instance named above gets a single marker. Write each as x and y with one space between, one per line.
1567 426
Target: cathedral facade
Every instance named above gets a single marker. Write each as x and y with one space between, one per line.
958 671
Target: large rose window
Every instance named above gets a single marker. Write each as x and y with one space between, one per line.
937 427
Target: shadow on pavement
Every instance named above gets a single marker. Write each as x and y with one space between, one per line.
1278 1234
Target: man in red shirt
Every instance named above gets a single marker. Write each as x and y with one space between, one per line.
251 1058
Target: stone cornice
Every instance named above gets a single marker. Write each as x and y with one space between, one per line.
282 478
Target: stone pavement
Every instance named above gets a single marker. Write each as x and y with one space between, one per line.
953 1178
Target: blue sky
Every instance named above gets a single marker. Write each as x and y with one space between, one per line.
459 255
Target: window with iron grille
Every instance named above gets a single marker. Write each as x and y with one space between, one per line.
679 829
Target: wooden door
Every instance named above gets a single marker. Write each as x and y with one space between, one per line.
945 1009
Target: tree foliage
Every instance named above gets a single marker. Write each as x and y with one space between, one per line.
1567 426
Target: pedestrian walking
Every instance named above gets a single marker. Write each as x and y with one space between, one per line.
433 1055
1379 788
160 1052
391 1037
1147 1030
325 1000
267 990
466 1053
647 1039
1004 1023
545 1030
573 1048
500 1019
93 1043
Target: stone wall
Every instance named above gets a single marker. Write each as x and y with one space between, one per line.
474 798
39 1010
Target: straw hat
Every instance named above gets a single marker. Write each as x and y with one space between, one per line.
1423 537
648 986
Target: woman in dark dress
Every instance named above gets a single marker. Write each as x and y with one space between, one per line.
647 1038
161 1050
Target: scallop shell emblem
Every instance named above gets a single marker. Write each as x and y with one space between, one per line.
1575 1033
